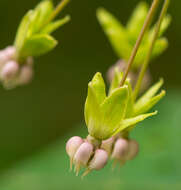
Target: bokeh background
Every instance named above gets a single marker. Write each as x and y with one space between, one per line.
36 120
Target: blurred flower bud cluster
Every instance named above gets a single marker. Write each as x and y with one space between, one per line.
120 149
13 73
86 153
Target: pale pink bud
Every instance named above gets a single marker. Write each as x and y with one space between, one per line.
9 70
99 160
10 52
25 75
120 149
132 150
72 145
107 145
83 153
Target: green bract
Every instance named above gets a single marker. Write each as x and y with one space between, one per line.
123 38
33 36
106 116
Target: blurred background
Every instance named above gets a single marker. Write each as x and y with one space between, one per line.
36 120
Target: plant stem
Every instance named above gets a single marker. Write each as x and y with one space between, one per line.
139 40
58 9
147 59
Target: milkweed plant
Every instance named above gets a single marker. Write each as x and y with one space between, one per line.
111 114
33 39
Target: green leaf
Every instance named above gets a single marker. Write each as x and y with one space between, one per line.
127 123
114 110
147 101
38 45
115 32
98 86
22 30
55 25
92 112
136 21
140 109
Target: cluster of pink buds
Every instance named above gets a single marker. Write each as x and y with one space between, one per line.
93 155
86 153
120 149
13 73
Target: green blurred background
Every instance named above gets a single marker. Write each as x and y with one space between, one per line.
51 107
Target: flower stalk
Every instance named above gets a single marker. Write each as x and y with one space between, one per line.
147 59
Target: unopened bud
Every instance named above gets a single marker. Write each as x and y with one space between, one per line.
83 153
9 70
73 144
107 145
120 149
25 75
132 150
10 52
99 160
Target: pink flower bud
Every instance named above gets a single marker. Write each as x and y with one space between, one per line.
25 75
107 145
9 70
132 150
120 149
10 52
99 160
72 145
83 153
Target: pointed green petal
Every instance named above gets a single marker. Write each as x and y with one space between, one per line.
114 109
160 46
116 80
130 106
23 30
38 45
132 121
165 24
98 86
115 32
55 25
92 112
137 20
151 92
143 108
44 10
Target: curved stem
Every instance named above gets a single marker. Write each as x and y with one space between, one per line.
139 40
147 60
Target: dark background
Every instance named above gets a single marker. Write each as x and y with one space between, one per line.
37 114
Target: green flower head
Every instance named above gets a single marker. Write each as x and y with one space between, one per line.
123 38
106 116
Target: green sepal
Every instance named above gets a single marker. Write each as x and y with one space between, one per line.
22 30
44 11
165 24
148 100
38 45
114 110
131 122
136 21
55 25
115 32
92 112
116 80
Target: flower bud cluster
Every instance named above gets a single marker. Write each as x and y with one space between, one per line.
13 73
85 153
120 149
